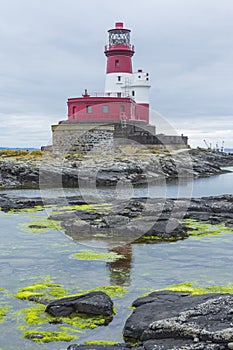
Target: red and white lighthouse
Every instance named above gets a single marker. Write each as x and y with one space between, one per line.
126 93
120 79
123 108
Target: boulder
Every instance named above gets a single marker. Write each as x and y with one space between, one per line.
93 303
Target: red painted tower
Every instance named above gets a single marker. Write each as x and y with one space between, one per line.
119 50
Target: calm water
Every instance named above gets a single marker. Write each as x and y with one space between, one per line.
25 257
201 187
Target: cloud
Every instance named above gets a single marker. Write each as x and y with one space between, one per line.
54 50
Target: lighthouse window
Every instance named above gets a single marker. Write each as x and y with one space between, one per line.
117 63
122 108
88 109
119 78
133 93
74 110
105 109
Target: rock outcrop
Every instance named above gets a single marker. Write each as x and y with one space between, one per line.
108 169
141 218
166 320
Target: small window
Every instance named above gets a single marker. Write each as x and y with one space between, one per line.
118 94
117 63
74 110
122 108
139 77
133 93
105 109
88 109
119 78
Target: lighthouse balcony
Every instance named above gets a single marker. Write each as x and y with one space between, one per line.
119 47
110 94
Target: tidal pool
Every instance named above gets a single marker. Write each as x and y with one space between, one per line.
28 257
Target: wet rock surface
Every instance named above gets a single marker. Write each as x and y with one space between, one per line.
164 318
167 320
159 220
94 303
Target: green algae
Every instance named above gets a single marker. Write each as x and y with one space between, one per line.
35 315
100 342
4 307
3 312
42 225
112 291
35 209
195 289
45 289
152 239
71 326
92 255
83 321
46 336
99 208
199 229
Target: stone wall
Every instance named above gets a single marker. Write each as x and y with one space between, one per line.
81 138
84 137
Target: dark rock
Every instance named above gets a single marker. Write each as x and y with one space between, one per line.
103 347
168 315
94 303
115 220
182 344
142 218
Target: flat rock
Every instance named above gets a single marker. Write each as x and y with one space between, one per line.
94 303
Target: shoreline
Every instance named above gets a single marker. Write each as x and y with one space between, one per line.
36 169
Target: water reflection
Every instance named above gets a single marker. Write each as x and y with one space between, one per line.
120 270
200 187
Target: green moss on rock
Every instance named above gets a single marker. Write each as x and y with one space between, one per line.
100 342
45 289
201 229
75 323
98 208
41 225
195 289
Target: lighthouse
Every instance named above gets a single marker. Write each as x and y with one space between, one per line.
126 94
122 110
120 79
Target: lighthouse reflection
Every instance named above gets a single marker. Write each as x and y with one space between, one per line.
120 269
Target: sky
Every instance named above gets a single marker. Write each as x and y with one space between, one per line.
52 50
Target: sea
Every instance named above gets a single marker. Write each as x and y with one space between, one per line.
29 257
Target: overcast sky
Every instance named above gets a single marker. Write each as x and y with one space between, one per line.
51 50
